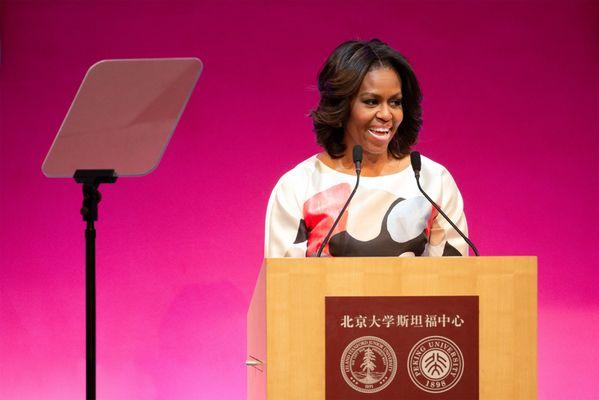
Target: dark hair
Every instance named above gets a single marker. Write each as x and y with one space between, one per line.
338 83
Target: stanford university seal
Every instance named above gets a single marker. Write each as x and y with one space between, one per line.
435 364
368 364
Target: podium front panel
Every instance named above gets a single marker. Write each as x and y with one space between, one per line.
294 307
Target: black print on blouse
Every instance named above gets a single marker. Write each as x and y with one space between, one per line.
345 245
302 233
450 251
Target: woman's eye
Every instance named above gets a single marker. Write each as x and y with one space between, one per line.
370 102
396 103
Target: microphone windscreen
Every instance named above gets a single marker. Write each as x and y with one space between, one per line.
357 153
415 159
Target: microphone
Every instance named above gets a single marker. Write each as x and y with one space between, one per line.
416 166
357 153
416 163
357 157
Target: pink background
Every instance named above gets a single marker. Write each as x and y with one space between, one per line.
511 99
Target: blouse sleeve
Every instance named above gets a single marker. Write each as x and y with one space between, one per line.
285 234
444 240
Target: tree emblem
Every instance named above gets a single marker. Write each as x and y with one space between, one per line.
368 364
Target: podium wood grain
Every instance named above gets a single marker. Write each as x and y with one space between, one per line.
286 329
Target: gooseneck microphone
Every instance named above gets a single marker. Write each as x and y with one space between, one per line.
357 156
416 166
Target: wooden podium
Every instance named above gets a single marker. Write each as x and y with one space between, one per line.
286 318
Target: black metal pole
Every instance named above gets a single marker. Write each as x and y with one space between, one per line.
91 180
90 311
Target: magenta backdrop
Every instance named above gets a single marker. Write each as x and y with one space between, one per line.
511 99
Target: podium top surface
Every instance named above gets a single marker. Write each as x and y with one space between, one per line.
395 261
123 116
401 265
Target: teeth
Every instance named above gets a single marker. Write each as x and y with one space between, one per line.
379 130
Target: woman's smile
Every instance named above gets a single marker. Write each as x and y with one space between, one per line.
381 133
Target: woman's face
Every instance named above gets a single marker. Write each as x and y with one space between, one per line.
376 112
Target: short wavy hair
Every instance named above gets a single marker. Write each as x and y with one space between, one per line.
338 83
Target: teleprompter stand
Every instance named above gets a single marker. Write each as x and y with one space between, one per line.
119 124
91 180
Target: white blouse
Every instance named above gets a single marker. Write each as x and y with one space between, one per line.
388 215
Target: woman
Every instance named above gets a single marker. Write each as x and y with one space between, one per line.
369 96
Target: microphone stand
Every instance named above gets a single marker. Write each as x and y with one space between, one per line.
416 165
328 236
447 218
357 153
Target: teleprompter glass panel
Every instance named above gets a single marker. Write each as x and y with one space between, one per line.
123 116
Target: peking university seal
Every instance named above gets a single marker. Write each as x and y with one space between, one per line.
368 364
435 364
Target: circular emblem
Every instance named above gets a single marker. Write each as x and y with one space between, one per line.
435 364
368 364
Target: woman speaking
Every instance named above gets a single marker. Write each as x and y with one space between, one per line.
369 96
